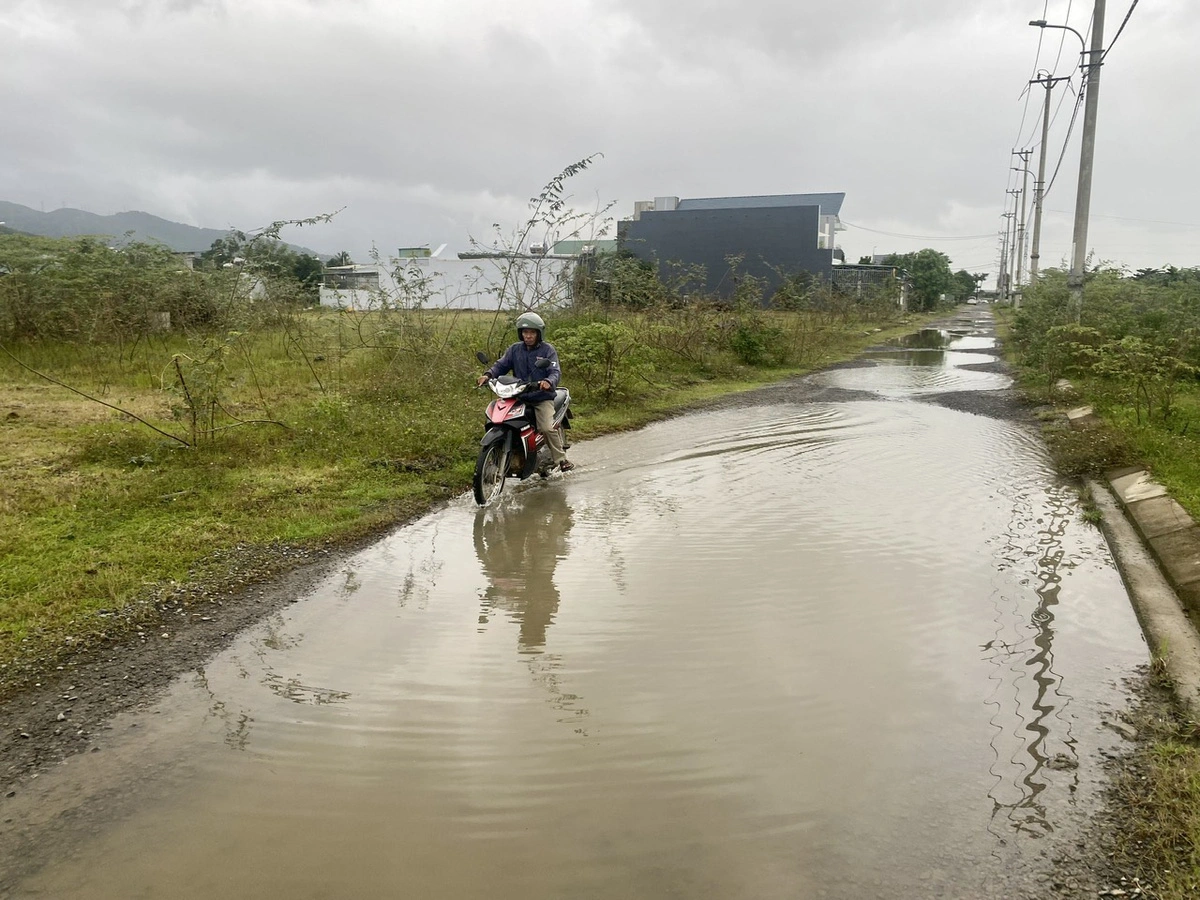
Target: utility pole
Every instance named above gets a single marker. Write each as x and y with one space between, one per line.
1000 273
1012 248
1004 270
1083 198
1024 154
1039 185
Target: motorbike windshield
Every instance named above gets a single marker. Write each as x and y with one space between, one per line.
504 391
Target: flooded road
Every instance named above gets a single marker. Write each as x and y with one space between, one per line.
845 639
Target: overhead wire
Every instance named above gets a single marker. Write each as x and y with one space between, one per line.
1124 22
1079 98
923 237
1132 219
1027 93
1036 59
1062 38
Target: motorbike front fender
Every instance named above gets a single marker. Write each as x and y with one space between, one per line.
507 436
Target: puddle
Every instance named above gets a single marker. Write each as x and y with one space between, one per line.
823 649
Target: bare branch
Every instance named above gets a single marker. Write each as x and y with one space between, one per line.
126 412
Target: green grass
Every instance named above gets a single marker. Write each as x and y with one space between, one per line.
1159 796
377 420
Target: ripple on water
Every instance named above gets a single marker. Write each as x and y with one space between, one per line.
902 381
802 640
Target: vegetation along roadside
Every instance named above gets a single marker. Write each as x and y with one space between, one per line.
137 458
1132 352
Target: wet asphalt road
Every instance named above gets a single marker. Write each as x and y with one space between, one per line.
847 638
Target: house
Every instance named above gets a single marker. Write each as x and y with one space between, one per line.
771 237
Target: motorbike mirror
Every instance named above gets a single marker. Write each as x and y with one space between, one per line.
542 364
482 357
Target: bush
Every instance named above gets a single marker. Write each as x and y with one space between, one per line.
606 357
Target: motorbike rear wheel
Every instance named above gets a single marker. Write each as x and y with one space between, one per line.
491 468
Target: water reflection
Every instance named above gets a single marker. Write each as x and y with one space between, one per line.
925 339
519 544
1025 653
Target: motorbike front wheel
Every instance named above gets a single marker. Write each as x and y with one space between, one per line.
490 471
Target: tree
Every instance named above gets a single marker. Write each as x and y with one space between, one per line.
930 273
264 255
965 284
308 270
340 259
225 250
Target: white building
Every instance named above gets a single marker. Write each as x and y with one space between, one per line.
418 279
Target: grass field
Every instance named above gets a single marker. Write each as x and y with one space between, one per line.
320 429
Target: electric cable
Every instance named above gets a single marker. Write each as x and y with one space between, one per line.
1124 22
922 237
1036 59
1066 142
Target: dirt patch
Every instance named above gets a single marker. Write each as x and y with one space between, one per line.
1004 404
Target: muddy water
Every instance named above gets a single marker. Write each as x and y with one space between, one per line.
843 648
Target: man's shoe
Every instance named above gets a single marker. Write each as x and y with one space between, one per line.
566 465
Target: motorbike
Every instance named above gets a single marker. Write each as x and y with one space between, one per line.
512 447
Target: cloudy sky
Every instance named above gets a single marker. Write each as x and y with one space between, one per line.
427 122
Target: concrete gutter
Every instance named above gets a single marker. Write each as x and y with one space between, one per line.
1156 545
1170 632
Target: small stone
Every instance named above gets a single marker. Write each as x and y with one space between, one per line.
61 717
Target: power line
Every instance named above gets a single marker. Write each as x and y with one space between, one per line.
1079 98
1036 59
1125 22
923 237
1131 219
1062 38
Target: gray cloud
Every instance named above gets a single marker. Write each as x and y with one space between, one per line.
428 122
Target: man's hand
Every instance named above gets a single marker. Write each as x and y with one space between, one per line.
544 385
481 380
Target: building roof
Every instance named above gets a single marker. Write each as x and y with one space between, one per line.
575 247
831 203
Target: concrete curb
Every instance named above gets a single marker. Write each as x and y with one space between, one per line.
1169 631
1156 545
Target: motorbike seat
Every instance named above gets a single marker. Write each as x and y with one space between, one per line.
560 397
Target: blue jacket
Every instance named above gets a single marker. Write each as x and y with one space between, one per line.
519 360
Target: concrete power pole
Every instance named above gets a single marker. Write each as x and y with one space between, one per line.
1004 271
1083 198
1012 248
1039 185
1024 154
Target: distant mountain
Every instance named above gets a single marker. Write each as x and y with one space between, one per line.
141 226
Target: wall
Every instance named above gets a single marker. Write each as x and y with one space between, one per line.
460 284
771 238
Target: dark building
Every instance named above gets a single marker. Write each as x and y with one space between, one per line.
775 236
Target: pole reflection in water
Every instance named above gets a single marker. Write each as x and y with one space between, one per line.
1028 650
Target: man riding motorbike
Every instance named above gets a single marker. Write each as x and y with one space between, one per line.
520 359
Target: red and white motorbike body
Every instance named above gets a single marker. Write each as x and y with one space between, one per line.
512 447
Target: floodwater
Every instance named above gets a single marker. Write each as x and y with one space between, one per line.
848 643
